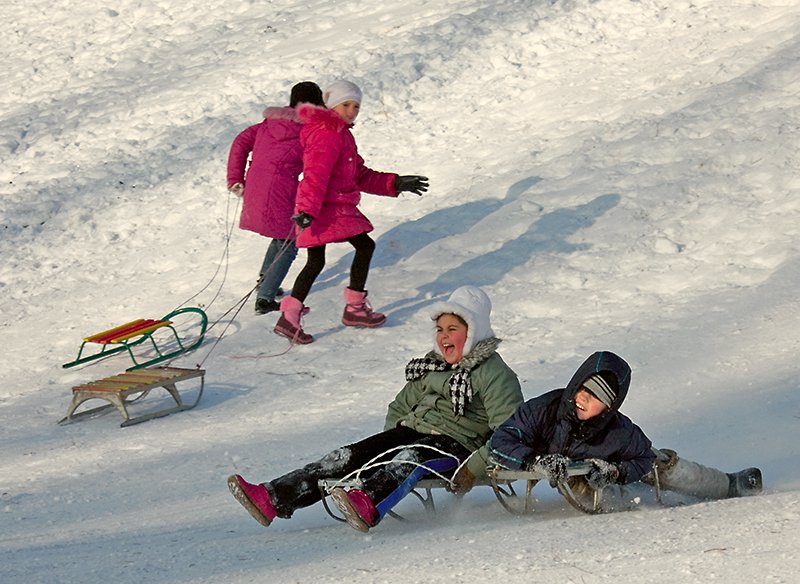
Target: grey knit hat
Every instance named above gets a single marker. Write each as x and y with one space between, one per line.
599 387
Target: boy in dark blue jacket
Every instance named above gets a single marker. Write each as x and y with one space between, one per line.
583 422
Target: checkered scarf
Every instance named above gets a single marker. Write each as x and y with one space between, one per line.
460 385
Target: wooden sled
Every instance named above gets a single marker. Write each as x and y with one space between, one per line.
131 334
118 388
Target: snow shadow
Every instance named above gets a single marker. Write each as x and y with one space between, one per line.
549 235
406 239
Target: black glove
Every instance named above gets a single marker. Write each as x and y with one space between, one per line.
553 466
302 219
602 474
412 183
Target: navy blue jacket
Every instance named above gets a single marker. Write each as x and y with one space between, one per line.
548 424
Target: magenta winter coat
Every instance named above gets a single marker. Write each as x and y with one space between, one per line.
334 175
275 165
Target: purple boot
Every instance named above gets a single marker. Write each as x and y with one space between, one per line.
358 311
288 324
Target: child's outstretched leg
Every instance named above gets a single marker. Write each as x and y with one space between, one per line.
282 496
691 478
358 311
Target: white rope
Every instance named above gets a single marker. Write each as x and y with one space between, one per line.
374 463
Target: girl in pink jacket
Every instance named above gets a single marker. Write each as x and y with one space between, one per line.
276 160
326 208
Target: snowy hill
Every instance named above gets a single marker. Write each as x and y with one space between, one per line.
617 175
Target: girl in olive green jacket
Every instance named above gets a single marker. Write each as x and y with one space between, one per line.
453 400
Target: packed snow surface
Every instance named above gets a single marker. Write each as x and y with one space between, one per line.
616 174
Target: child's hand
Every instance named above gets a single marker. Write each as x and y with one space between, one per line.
602 474
236 188
553 466
412 183
302 219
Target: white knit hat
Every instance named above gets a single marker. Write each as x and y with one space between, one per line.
339 92
473 305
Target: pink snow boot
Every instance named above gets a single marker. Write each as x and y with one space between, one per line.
357 508
289 323
254 498
358 311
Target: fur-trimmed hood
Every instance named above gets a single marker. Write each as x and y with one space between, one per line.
474 307
282 113
329 119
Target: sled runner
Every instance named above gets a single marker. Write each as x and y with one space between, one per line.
136 332
501 481
425 497
577 493
423 491
118 388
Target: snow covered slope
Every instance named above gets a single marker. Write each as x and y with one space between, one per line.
617 175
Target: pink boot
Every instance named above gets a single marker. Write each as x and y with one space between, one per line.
254 498
289 325
358 311
357 508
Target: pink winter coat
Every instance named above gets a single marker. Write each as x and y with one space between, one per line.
334 175
275 165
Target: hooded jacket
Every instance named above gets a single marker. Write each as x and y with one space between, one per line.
425 405
334 175
548 424
271 184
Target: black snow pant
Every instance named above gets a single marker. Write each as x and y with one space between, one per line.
315 260
384 484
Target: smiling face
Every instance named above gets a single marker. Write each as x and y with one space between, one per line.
451 335
348 110
587 406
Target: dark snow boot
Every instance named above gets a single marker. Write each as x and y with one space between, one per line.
744 483
264 306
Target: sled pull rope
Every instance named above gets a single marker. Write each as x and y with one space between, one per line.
229 224
240 304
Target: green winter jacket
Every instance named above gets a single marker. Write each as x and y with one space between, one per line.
424 405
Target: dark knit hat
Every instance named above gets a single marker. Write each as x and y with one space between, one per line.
603 387
306 92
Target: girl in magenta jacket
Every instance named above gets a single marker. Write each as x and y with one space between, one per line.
326 209
271 185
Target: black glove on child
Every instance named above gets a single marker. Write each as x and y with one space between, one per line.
302 219
412 183
602 474
553 466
